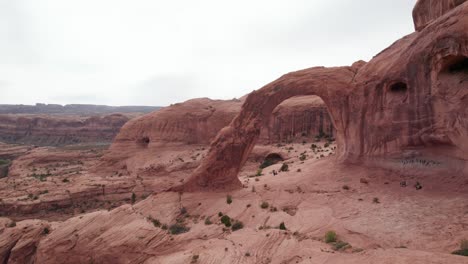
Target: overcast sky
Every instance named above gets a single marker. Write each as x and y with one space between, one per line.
152 52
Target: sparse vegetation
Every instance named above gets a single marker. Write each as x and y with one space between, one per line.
463 251
237 225
195 258
259 173
345 187
282 226
330 237
264 205
133 198
303 157
45 231
65 180
226 220
228 199
208 221
247 254
12 224
284 167
376 200
178 228
155 222
341 245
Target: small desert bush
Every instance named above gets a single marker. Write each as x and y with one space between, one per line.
330 237
463 251
264 205
178 228
237 225
229 199
259 173
341 245
284 167
282 226
208 221
226 220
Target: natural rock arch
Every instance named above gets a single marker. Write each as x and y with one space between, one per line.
233 144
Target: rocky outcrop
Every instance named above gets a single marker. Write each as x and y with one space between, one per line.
53 130
408 102
427 11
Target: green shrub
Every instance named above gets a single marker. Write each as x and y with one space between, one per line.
326 145
345 187
284 167
133 198
303 157
220 214
178 228
195 258
376 200
330 237
226 220
237 225
208 221
155 222
463 251
340 245
12 224
4 162
259 172
282 226
264 205
229 199
64 180
45 231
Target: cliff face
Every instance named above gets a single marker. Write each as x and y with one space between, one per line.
59 130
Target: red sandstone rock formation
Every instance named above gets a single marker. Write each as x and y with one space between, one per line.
427 11
410 100
59 130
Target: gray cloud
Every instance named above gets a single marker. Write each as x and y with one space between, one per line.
160 52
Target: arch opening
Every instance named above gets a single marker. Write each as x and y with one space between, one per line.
271 159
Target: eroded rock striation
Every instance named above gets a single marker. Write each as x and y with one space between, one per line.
427 11
408 102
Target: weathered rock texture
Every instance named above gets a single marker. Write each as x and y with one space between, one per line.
55 130
427 11
409 101
298 118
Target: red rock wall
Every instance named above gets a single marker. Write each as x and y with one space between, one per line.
427 11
